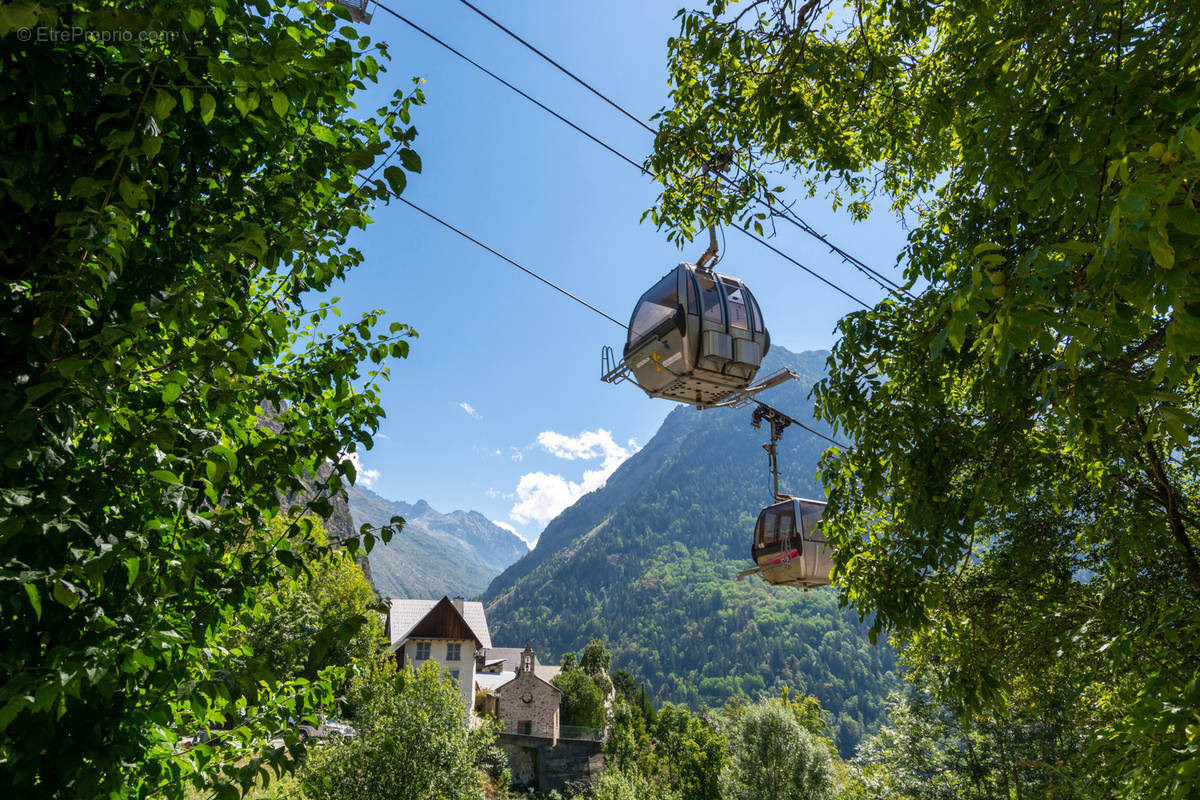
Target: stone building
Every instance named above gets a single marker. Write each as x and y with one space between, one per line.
528 705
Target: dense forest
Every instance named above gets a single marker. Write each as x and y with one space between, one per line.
649 562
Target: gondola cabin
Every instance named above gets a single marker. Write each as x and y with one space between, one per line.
789 547
696 336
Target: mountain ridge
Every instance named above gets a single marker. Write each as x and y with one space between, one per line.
434 554
648 562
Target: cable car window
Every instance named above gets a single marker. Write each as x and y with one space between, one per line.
657 305
739 316
787 523
755 311
710 298
810 514
770 529
693 305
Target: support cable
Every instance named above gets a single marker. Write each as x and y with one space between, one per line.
787 214
600 142
503 257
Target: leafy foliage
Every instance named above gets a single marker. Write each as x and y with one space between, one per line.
1032 748
1025 469
764 749
412 742
325 617
169 198
582 703
648 563
775 758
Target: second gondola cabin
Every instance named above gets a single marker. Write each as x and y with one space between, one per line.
789 546
696 337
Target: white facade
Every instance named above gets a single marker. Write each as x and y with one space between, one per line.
457 656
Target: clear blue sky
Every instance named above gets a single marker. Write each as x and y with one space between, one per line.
499 407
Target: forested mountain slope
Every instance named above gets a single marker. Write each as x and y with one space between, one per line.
648 562
434 554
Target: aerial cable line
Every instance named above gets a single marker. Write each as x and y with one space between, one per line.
819 277
487 71
561 69
503 257
787 214
801 425
600 142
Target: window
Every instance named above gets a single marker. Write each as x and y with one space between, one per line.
656 306
769 534
739 317
787 523
810 514
454 674
422 651
525 727
454 651
757 312
710 298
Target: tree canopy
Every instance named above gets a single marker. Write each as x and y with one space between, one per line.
176 184
1023 413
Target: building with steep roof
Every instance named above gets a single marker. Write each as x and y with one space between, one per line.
451 633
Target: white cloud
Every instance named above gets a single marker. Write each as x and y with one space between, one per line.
366 477
542 496
471 412
493 493
517 455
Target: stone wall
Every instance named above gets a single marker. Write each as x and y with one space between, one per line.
535 763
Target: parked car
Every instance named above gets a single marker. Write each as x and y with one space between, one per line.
328 728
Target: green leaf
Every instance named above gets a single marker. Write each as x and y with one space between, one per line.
396 179
86 187
280 102
165 476
956 331
1164 254
171 392
35 599
152 145
132 566
164 104
324 134
65 594
410 160
208 106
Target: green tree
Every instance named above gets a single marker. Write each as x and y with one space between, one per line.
170 195
594 660
582 703
412 741
690 752
326 616
1038 396
775 758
